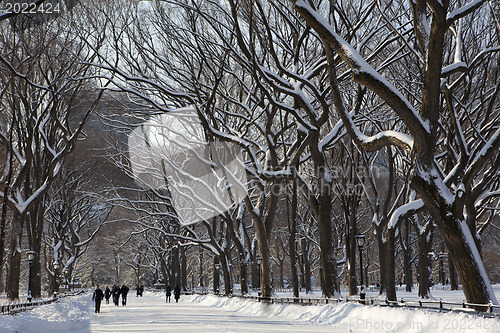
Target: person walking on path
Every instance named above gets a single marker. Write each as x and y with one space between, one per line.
168 293
97 297
177 293
124 291
107 294
116 294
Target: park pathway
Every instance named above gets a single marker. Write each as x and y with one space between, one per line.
150 313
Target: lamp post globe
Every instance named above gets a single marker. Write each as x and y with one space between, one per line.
56 277
360 240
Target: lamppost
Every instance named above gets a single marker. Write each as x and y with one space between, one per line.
360 241
65 272
31 256
259 263
56 276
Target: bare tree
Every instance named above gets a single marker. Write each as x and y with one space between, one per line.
438 119
44 77
73 217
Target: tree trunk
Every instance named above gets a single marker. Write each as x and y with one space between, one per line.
201 268
327 249
3 216
137 271
216 275
255 270
117 267
365 269
263 234
382 255
176 266
442 275
265 268
458 238
183 268
15 257
281 272
36 220
306 263
92 280
468 263
453 274
228 283
350 243
390 274
424 243
3 222
36 276
241 254
408 280
291 241
302 274
164 270
243 275
323 212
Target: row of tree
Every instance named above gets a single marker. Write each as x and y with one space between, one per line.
46 98
377 118
414 86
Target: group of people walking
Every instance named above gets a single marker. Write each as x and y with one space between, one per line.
140 290
115 291
177 293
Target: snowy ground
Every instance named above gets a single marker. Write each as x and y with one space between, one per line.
216 314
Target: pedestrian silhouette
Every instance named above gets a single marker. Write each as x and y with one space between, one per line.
177 293
97 298
115 291
168 293
124 291
107 294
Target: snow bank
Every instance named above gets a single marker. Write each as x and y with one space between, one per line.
75 314
356 317
68 315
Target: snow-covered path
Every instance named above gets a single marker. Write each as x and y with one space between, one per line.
210 313
151 314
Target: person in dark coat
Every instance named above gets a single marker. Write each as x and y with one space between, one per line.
168 293
116 294
107 294
142 290
97 297
177 293
124 291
